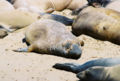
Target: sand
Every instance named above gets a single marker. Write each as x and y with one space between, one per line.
21 66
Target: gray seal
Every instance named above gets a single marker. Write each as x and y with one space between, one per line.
94 70
50 37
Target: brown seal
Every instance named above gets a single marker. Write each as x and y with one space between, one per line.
50 37
100 23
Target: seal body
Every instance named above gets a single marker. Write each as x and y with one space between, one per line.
59 18
47 5
114 4
75 4
5 6
76 68
50 37
16 19
110 4
105 69
100 23
100 74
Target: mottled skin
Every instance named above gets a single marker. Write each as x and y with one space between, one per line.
50 37
47 5
106 69
100 23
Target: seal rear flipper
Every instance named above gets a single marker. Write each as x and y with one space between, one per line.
21 50
71 67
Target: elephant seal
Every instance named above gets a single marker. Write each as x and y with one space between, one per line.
76 68
59 18
47 5
100 74
50 37
110 4
100 23
5 6
89 71
16 19
11 19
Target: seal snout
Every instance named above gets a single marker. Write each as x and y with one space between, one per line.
68 50
75 51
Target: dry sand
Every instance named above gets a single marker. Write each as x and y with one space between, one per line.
16 66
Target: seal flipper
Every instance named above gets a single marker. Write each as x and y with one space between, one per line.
21 50
67 66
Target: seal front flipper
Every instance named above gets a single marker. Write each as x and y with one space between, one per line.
21 50
67 66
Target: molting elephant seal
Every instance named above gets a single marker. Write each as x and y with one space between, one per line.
50 37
